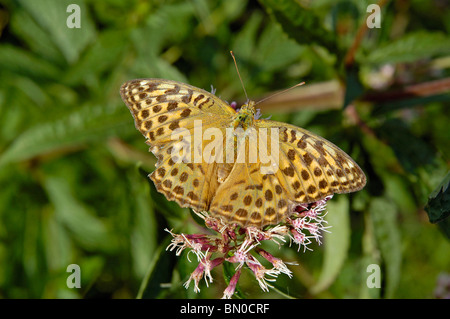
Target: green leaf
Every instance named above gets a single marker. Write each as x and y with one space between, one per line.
411 151
200 221
159 272
285 287
411 47
244 42
354 87
52 17
37 39
336 243
102 55
88 230
383 215
58 247
264 56
89 123
438 206
143 239
444 226
25 63
92 267
300 23
165 207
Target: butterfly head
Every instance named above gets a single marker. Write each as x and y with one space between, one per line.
245 117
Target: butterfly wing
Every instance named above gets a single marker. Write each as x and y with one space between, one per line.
308 169
313 167
249 196
164 111
159 106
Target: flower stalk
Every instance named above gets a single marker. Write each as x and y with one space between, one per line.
241 245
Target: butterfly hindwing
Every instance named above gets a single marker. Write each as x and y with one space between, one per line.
311 167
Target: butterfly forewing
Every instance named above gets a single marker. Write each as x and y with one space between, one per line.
161 108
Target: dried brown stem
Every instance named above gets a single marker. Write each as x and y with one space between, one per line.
415 90
330 95
318 96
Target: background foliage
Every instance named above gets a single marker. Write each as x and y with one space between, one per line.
73 186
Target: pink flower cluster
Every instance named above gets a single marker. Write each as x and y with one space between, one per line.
305 223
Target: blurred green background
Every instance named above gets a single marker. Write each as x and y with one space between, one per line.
73 186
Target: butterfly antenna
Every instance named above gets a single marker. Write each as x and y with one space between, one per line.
281 92
237 69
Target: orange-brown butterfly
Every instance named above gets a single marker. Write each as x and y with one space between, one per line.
217 173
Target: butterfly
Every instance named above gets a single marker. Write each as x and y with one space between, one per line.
217 170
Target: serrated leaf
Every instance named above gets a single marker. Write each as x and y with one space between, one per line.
411 47
383 215
25 63
102 55
438 206
52 16
272 43
410 150
90 122
300 23
336 243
